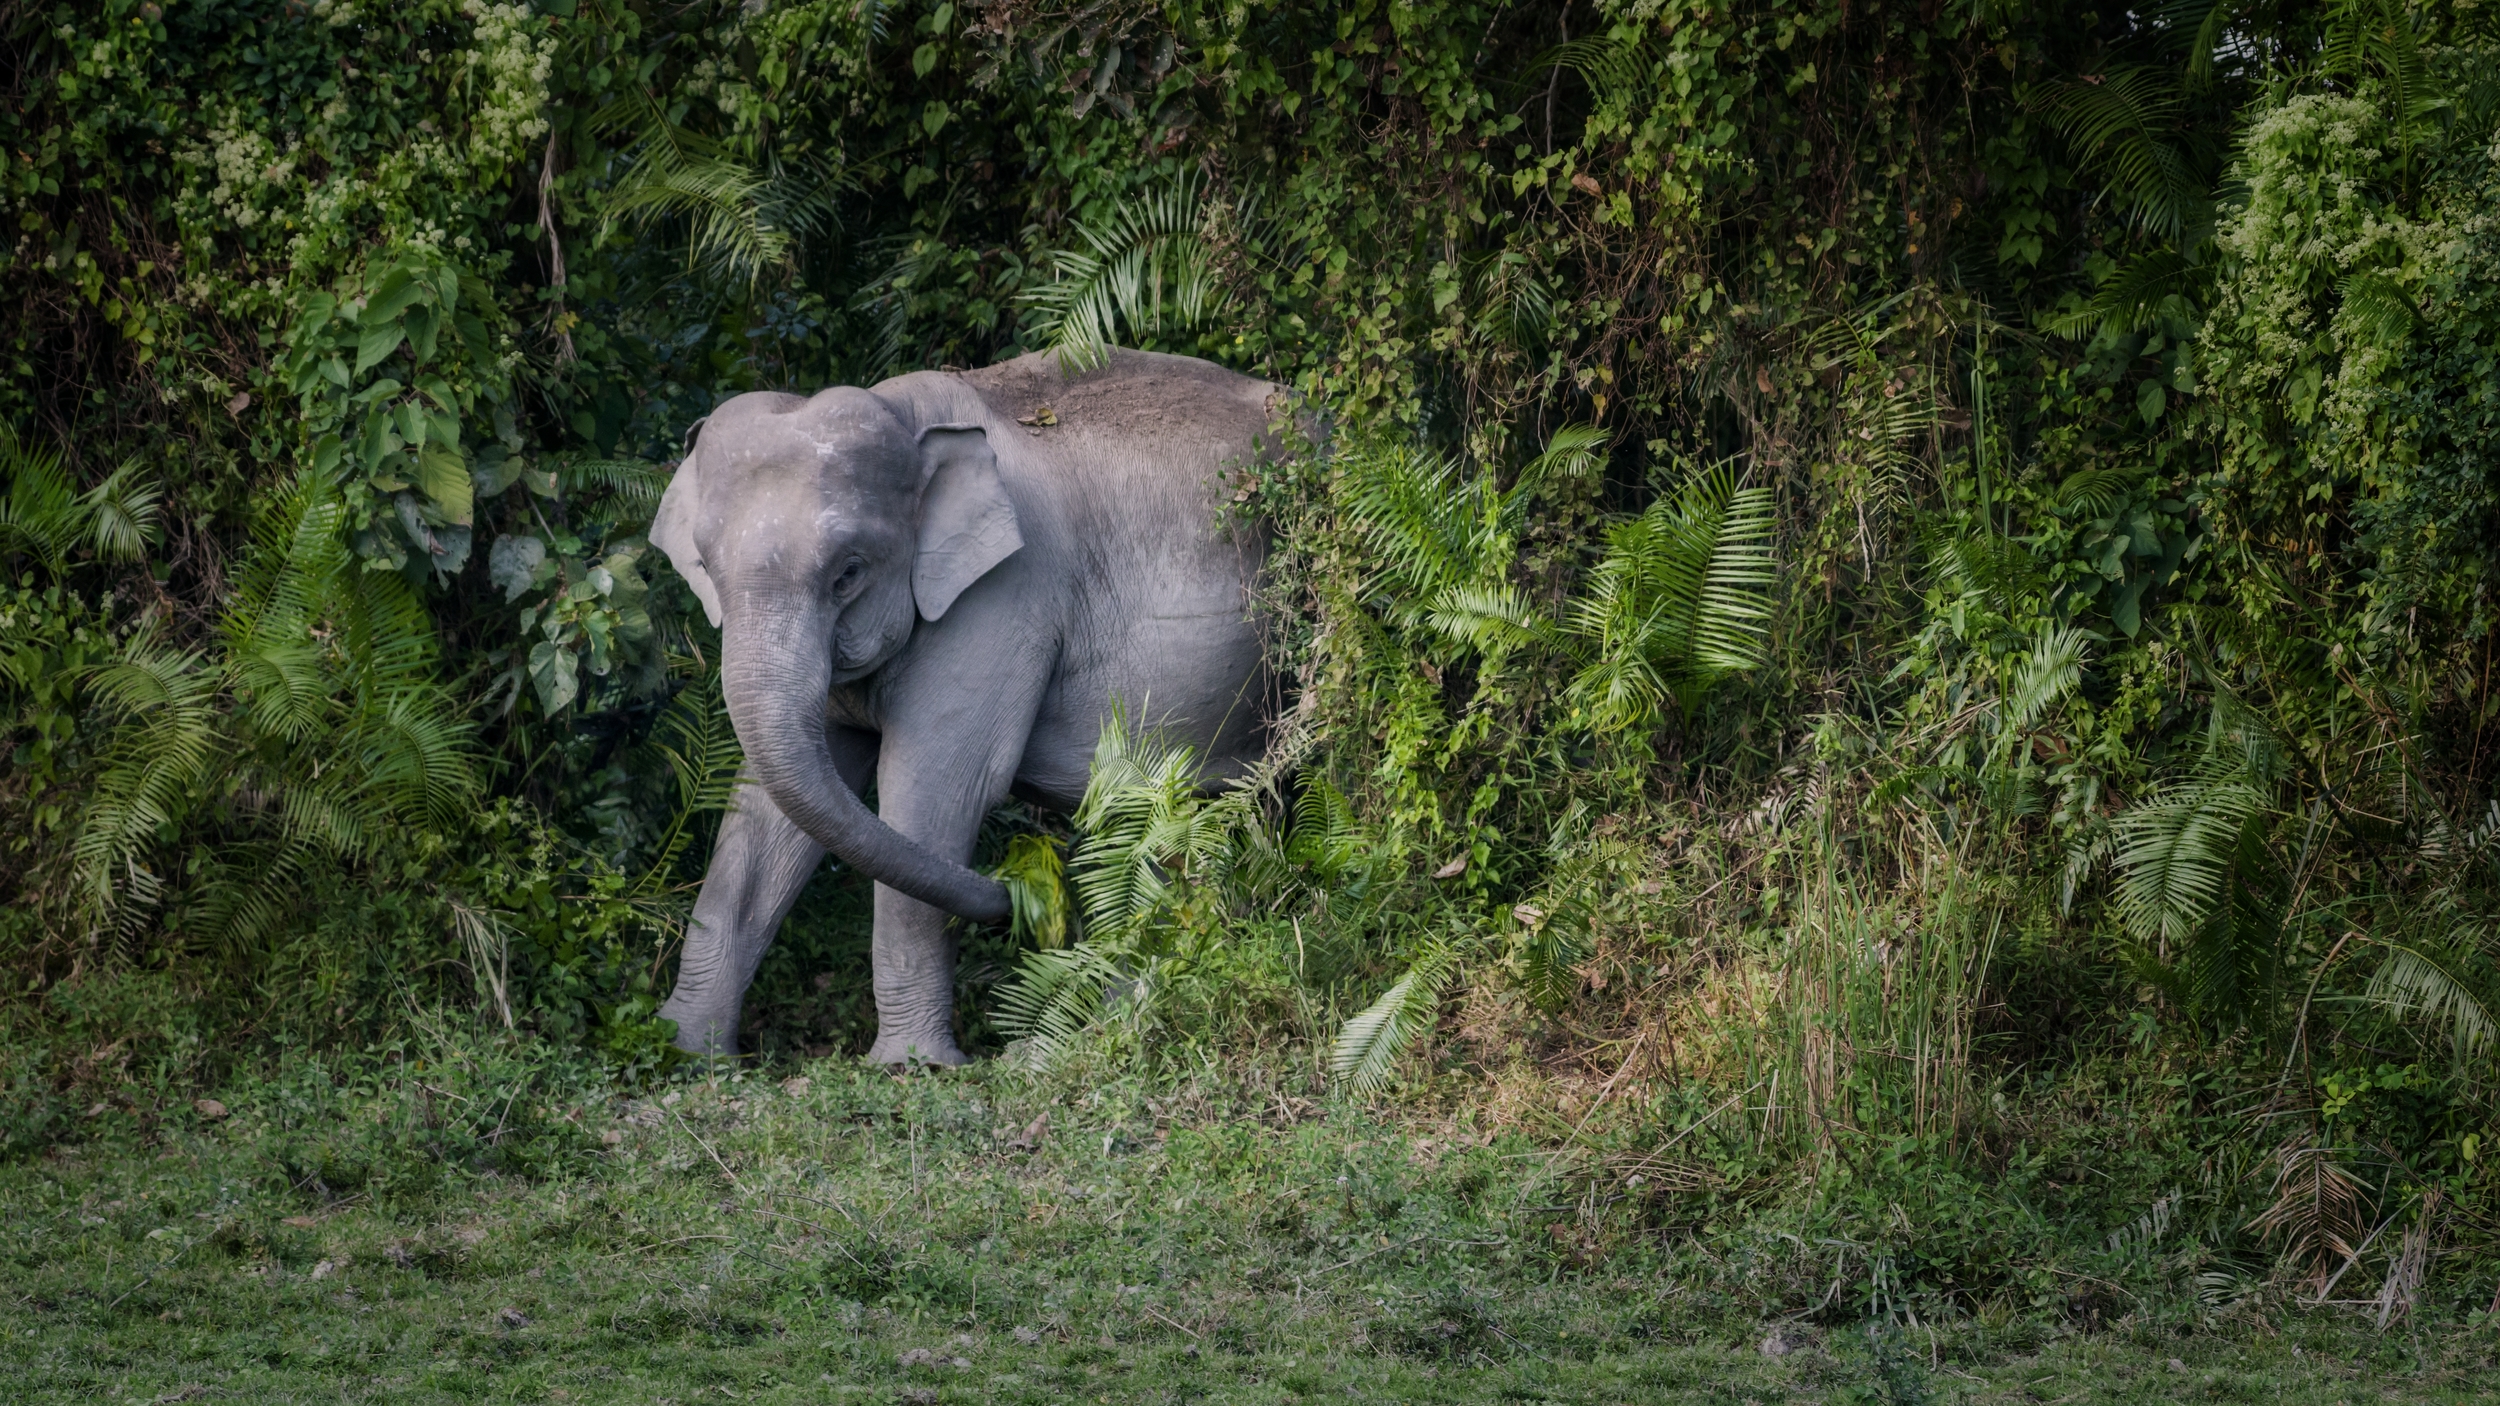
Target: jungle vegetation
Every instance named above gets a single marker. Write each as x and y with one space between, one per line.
1891 647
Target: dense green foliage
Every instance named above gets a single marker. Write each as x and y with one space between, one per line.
1892 638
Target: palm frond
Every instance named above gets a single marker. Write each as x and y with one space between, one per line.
1369 1044
1149 268
2415 985
1680 600
2123 126
1057 998
741 221
2367 35
44 516
1616 70
2174 853
486 936
1147 821
2097 491
121 513
2375 308
2052 671
2136 296
155 759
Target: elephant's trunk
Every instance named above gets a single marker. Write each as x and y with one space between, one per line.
775 679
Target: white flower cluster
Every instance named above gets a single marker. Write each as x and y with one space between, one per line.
515 62
246 165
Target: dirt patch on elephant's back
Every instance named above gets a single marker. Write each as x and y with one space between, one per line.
1136 393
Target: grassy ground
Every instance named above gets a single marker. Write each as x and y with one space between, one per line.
510 1232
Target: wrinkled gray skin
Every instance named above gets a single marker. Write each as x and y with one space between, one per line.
912 585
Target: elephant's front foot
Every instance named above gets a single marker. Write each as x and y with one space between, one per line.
937 1048
701 1032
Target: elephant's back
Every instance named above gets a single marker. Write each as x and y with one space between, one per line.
1147 449
1177 402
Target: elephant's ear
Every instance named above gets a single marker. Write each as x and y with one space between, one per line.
672 531
967 525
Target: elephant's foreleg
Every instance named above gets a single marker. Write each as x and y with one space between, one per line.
760 862
935 790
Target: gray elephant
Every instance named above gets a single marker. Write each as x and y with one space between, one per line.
947 580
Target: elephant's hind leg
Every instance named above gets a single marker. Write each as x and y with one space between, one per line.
759 864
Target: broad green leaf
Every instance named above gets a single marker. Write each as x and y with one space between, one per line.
554 672
421 327
318 309
376 342
400 290
444 476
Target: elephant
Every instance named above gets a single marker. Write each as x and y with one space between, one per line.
948 580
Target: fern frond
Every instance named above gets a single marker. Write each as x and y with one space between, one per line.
635 483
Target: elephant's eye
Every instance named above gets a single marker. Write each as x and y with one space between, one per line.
851 572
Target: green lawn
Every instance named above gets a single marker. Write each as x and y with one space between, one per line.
966 1237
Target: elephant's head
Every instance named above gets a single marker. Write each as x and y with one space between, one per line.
814 531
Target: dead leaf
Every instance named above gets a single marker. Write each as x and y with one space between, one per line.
612 1137
242 401
1582 181
795 1087
1528 914
301 1222
1452 869
1031 1137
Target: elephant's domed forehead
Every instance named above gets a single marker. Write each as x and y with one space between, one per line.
845 429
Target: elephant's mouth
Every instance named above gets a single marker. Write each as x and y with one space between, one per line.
854 658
